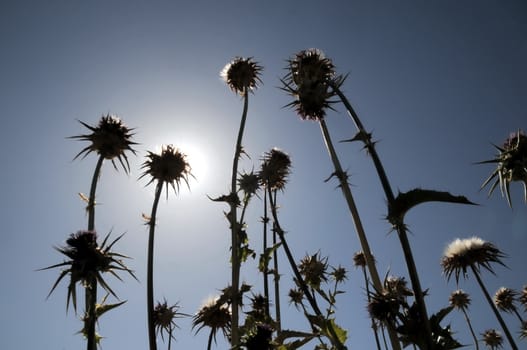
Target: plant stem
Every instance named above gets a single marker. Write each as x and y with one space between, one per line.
150 269
301 283
265 220
344 186
494 309
235 228
278 314
470 328
401 228
91 288
374 327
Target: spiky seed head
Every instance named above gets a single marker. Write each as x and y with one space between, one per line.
493 339
314 270
242 75
308 80
359 259
339 274
511 163
213 314
249 183
165 318
523 297
396 288
473 252
168 167
383 308
275 169
110 139
296 296
505 299
459 299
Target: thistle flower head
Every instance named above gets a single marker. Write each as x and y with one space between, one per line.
511 165
242 75
471 252
505 299
165 318
313 269
87 261
523 297
359 259
110 139
213 314
396 288
275 168
308 80
296 296
169 167
339 274
493 339
459 299
249 183
383 307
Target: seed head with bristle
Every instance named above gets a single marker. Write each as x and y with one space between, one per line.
359 259
505 299
249 183
523 297
314 270
110 139
215 315
275 169
459 299
471 252
493 339
168 167
242 75
165 319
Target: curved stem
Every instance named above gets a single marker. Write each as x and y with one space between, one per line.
401 229
494 309
302 284
150 270
374 326
344 186
91 288
235 228
476 343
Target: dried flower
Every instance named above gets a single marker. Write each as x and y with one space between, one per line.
249 183
511 165
359 259
505 298
383 307
471 252
242 74
339 274
296 296
110 139
308 81
275 168
493 339
169 167
459 299
396 288
214 314
165 319
523 297
88 261
313 269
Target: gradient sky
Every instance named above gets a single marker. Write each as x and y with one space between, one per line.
436 81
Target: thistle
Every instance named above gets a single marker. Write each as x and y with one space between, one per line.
165 319
474 253
216 315
461 301
241 75
511 165
505 300
170 167
492 339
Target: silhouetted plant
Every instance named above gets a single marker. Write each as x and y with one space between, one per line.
170 167
505 300
511 165
215 314
474 253
165 319
242 75
461 300
492 339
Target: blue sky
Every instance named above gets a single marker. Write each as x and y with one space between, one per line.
437 82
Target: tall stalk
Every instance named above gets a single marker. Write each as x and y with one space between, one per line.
265 221
400 227
236 226
276 279
476 343
91 288
150 269
494 309
344 186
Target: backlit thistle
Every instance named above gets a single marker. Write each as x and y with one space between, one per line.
461 301
242 75
505 299
359 260
492 339
307 80
110 139
523 330
511 165
249 184
275 169
314 270
523 297
170 167
296 296
474 253
215 315
396 288
165 319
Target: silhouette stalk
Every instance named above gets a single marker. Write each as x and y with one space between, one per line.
400 227
344 186
235 227
91 288
150 269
